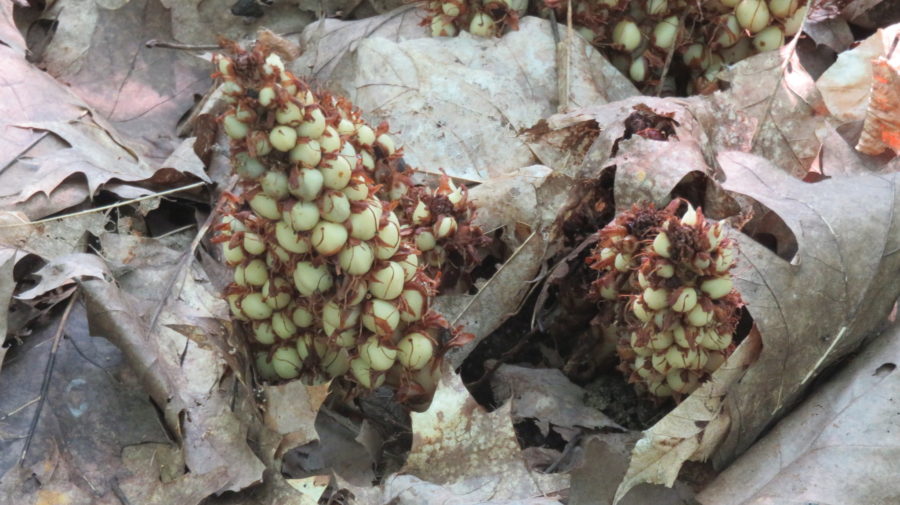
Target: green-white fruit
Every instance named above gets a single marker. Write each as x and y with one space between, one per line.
277 293
386 282
356 259
313 126
717 287
254 307
291 240
377 355
287 362
769 39
686 300
665 32
288 114
656 299
275 184
412 305
256 273
336 173
753 15
481 25
328 238
308 184
308 153
309 279
381 317
334 206
627 34
265 206
283 138
415 350
262 332
247 167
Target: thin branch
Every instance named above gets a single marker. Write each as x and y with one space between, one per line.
48 372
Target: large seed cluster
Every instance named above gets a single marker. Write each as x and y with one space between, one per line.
667 281
644 38
328 238
483 18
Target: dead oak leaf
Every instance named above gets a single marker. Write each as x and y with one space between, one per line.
91 151
456 444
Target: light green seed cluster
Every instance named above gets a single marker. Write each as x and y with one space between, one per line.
486 19
327 277
668 281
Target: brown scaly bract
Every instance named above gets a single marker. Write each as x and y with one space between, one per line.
336 253
665 284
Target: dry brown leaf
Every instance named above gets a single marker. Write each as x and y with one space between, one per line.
846 85
201 21
460 103
7 286
291 410
471 453
528 201
50 239
881 130
64 271
9 34
840 446
605 462
143 91
692 430
327 41
773 95
548 397
815 307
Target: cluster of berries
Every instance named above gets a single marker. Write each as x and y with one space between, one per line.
337 254
665 284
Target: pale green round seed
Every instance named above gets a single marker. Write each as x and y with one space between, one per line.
336 173
364 375
277 293
287 362
328 238
307 185
377 355
425 241
256 272
262 332
302 317
365 135
330 140
386 282
335 362
288 114
233 255
283 138
717 287
364 223
313 126
656 299
380 317
254 307
304 216
247 167
309 278
412 305
290 240
307 153
753 15
686 300
334 206
627 34
265 206
282 325
356 259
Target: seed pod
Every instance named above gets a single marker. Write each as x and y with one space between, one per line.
234 301
717 287
623 262
335 362
627 34
388 241
330 140
657 7
421 214
665 33
410 265
377 355
334 206
365 135
794 22
346 127
380 317
283 326
685 299
275 184
290 240
276 255
364 223
302 316
656 299
386 282
714 341
254 307
356 190
699 317
641 311
234 128
239 276
264 367
682 381
753 15
265 206
309 279
287 362
266 96
482 25
277 293
340 317
638 69
768 39
328 238
304 216
308 153
442 26
425 241
313 126
336 173
444 227
288 114
783 8
412 305
364 375
233 255
356 259
661 340
247 167
256 273
415 350
262 332
729 30
680 336
283 138
307 184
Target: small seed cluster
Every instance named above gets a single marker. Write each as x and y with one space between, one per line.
334 249
483 18
641 36
666 280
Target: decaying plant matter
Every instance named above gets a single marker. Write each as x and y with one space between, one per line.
337 254
647 40
665 286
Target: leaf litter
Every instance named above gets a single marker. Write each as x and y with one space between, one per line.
832 224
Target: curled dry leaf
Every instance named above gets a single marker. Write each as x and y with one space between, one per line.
846 86
525 205
65 271
844 433
548 397
144 91
692 430
460 103
459 446
817 305
881 130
